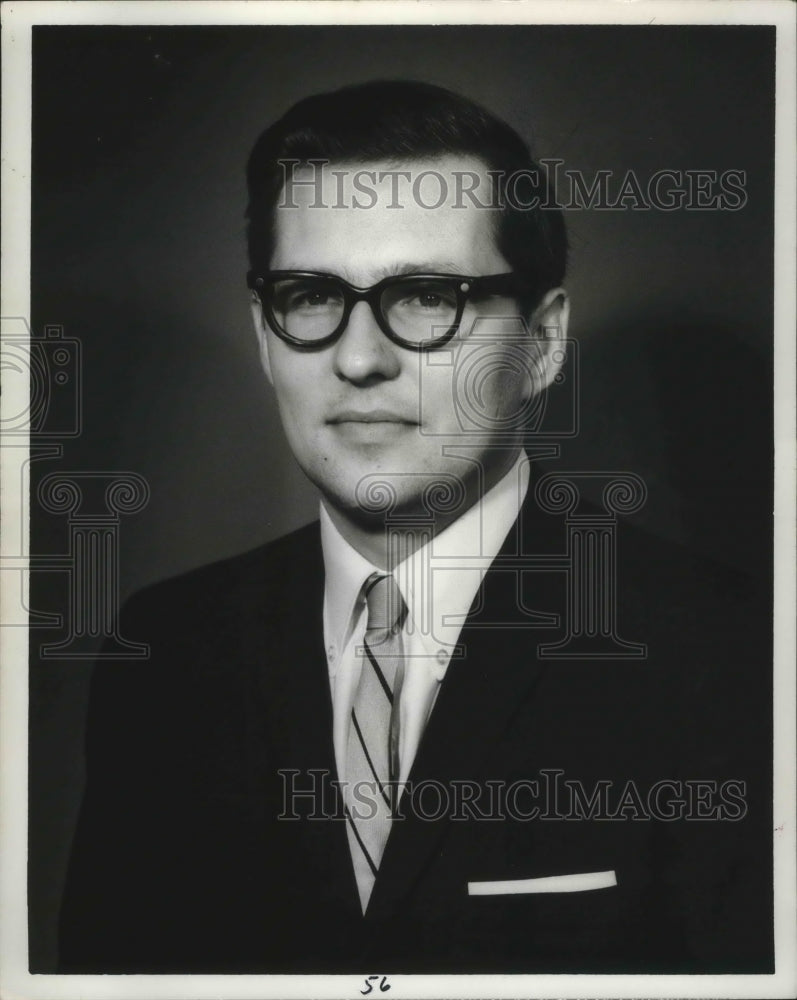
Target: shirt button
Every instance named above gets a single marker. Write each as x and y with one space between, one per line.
439 671
331 652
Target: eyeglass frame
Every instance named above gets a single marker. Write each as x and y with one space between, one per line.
492 284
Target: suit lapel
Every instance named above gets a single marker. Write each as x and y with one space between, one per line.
474 709
292 699
284 645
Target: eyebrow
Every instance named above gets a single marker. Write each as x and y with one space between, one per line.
411 267
419 267
391 270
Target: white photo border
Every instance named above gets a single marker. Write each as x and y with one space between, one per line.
18 20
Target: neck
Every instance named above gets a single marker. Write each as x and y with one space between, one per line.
386 548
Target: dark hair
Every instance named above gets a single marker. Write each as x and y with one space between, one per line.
402 119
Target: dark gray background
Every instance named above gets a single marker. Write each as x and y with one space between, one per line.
140 136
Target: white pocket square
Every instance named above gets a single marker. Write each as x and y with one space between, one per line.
582 882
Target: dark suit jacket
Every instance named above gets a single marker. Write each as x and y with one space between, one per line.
181 864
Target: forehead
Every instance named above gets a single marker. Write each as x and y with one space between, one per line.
365 220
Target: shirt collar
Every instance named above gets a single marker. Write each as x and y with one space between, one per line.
345 572
481 530
479 534
440 581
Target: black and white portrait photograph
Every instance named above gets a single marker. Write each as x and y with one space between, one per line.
398 500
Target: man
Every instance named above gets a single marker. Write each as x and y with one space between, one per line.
356 749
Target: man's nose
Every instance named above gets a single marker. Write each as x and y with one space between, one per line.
363 354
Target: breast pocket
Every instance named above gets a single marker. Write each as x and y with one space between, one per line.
545 884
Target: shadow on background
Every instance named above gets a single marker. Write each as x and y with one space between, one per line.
688 407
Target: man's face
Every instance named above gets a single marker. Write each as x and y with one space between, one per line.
365 408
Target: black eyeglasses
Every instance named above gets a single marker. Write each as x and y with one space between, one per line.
418 311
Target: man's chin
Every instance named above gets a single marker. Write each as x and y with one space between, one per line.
381 499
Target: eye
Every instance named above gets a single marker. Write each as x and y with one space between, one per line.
430 300
306 296
309 298
426 296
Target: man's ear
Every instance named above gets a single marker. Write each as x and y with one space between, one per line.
259 321
548 328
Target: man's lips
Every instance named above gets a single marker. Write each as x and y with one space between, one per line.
370 417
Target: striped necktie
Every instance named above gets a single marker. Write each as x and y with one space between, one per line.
372 760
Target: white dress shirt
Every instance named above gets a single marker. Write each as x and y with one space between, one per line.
438 583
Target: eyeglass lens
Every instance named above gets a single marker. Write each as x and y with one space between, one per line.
415 309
